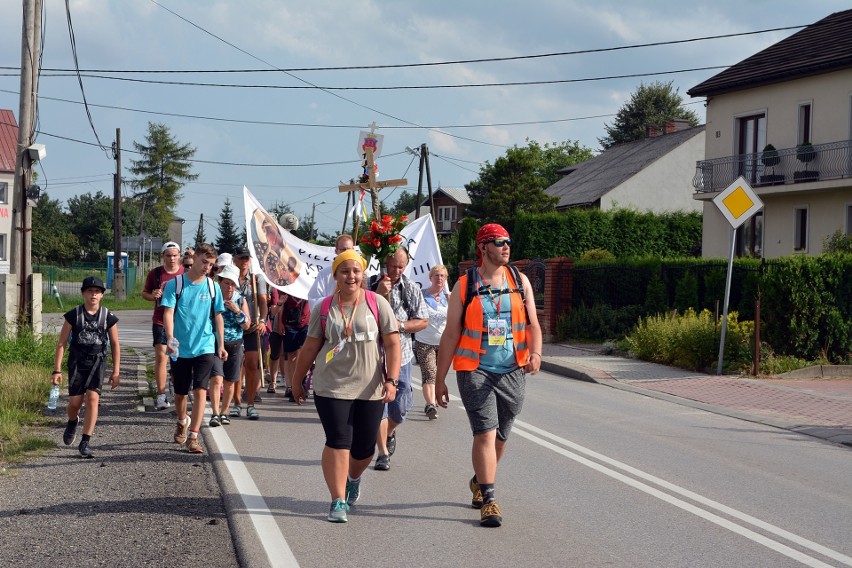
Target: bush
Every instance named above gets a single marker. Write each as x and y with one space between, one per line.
597 254
837 243
655 296
691 340
686 292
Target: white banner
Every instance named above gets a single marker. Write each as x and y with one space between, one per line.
291 264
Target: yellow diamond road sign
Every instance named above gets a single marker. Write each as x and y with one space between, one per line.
738 202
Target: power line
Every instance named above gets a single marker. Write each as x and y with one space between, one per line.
329 88
350 101
438 63
336 126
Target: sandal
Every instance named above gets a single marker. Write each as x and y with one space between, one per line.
271 388
236 410
251 413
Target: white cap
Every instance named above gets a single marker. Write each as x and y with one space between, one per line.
170 245
224 259
230 272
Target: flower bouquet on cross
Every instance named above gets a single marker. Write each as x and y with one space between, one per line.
382 238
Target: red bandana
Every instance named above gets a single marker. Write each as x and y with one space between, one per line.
488 233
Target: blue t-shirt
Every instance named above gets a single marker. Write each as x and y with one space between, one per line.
193 327
497 358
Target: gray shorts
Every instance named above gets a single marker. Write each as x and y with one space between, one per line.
491 400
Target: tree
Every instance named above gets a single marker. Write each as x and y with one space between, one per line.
230 239
91 220
200 237
161 172
53 240
516 181
649 105
405 203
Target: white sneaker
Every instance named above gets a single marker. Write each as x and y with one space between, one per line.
162 402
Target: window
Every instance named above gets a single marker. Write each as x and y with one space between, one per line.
804 123
800 230
447 213
4 192
749 237
751 140
849 220
3 256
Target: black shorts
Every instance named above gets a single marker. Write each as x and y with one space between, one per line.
232 365
250 342
79 380
159 333
350 424
192 373
276 342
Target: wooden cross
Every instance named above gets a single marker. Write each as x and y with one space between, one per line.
371 184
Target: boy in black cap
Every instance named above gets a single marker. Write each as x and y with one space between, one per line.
91 324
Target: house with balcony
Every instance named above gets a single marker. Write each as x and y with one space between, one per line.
782 118
648 175
450 205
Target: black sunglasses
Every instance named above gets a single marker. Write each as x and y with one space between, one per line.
500 243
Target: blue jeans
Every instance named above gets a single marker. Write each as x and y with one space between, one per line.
399 407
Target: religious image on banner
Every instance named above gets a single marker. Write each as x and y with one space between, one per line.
279 263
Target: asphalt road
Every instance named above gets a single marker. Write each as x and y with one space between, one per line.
593 476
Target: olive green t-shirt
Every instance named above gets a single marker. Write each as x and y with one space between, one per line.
355 372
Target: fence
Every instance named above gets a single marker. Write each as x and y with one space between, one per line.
67 279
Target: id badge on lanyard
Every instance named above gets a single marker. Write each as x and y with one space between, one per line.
497 331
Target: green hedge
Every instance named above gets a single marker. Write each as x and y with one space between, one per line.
623 232
806 302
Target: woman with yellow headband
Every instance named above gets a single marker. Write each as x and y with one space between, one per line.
352 381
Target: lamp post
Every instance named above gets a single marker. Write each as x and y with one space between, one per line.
313 219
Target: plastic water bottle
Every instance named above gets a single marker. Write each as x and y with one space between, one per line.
174 344
54 397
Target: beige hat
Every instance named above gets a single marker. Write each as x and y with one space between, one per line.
230 272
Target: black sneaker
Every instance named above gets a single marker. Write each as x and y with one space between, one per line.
70 432
431 411
392 443
383 463
85 450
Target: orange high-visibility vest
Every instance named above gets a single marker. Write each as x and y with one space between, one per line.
469 347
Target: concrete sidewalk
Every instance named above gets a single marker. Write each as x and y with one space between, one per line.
820 407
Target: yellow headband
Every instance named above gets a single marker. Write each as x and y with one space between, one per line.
350 254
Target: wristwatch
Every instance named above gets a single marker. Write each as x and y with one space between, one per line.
402 327
394 382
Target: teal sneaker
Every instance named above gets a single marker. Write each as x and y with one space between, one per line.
337 511
353 491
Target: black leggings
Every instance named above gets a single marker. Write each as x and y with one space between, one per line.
350 424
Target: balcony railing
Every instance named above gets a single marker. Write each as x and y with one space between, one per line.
784 166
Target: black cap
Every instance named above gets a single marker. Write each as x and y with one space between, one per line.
241 252
93 282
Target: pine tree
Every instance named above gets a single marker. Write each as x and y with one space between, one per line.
161 172
649 105
230 239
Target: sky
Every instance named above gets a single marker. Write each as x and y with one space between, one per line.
284 128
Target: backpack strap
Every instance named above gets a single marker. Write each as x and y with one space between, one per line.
324 309
369 295
178 288
471 289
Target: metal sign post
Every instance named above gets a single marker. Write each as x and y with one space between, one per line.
737 203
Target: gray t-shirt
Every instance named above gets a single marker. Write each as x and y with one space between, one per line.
355 372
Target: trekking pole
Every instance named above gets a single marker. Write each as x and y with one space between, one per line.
256 319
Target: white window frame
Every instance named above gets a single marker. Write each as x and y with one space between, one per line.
3 256
801 135
442 212
4 192
797 228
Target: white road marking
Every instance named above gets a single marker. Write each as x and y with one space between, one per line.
269 535
521 430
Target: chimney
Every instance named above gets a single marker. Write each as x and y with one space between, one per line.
651 131
675 125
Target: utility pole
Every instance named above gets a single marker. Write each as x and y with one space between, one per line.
424 165
22 212
119 284
313 219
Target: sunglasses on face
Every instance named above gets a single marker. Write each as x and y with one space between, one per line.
500 243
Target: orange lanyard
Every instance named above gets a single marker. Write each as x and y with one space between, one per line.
347 327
